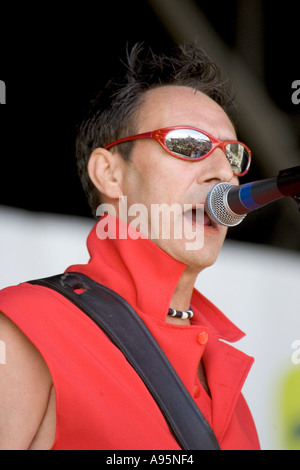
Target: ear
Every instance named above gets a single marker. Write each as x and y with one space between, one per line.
105 171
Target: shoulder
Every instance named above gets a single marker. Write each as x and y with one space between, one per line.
25 384
24 293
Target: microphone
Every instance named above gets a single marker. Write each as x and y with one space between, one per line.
228 204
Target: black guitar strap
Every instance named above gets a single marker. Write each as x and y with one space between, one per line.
126 330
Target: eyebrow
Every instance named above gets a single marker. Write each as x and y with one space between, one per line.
230 138
224 139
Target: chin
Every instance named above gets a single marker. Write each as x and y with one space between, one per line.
201 261
195 259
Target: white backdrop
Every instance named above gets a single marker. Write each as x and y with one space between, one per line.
256 287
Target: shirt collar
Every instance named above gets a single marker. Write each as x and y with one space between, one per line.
143 274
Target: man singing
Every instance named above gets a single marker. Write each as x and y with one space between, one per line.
160 135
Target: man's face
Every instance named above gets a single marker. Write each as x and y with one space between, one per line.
155 177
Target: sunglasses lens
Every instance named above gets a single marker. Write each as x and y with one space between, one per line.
188 143
238 157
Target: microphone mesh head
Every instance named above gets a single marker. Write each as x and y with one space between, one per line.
217 208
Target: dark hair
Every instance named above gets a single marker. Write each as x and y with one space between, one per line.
112 112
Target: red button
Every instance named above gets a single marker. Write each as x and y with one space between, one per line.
202 338
197 391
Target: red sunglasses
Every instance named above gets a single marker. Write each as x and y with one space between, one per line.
190 143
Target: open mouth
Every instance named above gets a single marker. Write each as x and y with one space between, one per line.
199 217
196 213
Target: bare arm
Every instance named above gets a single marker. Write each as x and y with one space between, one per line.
25 385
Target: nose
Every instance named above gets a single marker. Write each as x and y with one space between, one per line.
216 167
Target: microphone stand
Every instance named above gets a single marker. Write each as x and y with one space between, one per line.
297 200
288 181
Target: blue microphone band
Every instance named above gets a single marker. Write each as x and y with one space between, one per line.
251 196
247 198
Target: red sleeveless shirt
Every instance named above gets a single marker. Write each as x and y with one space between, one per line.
101 402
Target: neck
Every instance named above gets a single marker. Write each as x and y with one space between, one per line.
181 299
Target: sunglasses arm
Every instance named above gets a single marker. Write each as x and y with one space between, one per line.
145 135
